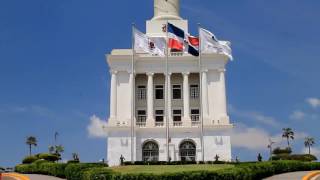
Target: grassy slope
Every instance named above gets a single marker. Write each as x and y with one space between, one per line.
168 169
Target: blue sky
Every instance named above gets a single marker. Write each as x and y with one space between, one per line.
53 74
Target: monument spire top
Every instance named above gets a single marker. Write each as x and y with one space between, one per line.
166 9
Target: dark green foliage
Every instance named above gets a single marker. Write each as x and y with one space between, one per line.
286 150
29 159
48 157
97 174
75 171
73 161
297 157
241 171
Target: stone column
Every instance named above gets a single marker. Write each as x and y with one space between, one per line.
113 95
169 98
186 100
223 97
204 94
150 111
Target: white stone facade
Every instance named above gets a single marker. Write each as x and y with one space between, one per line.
183 92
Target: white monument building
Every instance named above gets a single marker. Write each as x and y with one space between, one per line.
149 128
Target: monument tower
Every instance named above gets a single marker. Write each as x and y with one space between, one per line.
184 106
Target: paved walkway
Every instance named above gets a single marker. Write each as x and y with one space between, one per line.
289 176
42 177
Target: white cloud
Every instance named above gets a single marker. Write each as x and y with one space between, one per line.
249 138
297 115
314 102
96 127
255 116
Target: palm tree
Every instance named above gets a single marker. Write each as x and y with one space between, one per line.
59 150
52 149
31 141
288 134
308 142
270 147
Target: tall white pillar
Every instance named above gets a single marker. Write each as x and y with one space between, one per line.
113 95
169 102
186 100
205 94
150 111
223 97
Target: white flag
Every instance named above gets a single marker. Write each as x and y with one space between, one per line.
210 44
151 45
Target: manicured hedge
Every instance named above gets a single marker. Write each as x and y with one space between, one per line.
278 150
48 157
75 171
297 157
241 171
29 159
71 171
245 171
128 163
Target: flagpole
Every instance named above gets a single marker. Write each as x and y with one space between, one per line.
201 105
167 90
132 95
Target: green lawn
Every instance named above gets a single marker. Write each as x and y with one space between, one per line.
155 169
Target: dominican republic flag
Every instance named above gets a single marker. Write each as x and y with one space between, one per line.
176 37
180 41
193 45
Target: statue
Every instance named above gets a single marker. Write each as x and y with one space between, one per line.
122 160
166 9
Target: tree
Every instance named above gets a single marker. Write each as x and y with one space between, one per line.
31 141
288 134
270 147
52 149
56 150
308 142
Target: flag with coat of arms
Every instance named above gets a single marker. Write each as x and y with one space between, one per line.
151 45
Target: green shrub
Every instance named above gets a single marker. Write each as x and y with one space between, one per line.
75 171
97 174
73 161
297 157
29 159
48 157
26 168
53 169
241 171
278 150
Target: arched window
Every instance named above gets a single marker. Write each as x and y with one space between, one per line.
187 151
150 151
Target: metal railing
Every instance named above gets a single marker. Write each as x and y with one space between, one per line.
159 124
177 123
141 124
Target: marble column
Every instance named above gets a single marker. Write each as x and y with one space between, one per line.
186 99
113 95
223 97
150 109
169 98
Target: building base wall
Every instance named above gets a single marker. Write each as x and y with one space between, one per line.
215 143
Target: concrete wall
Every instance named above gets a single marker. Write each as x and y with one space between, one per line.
215 144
